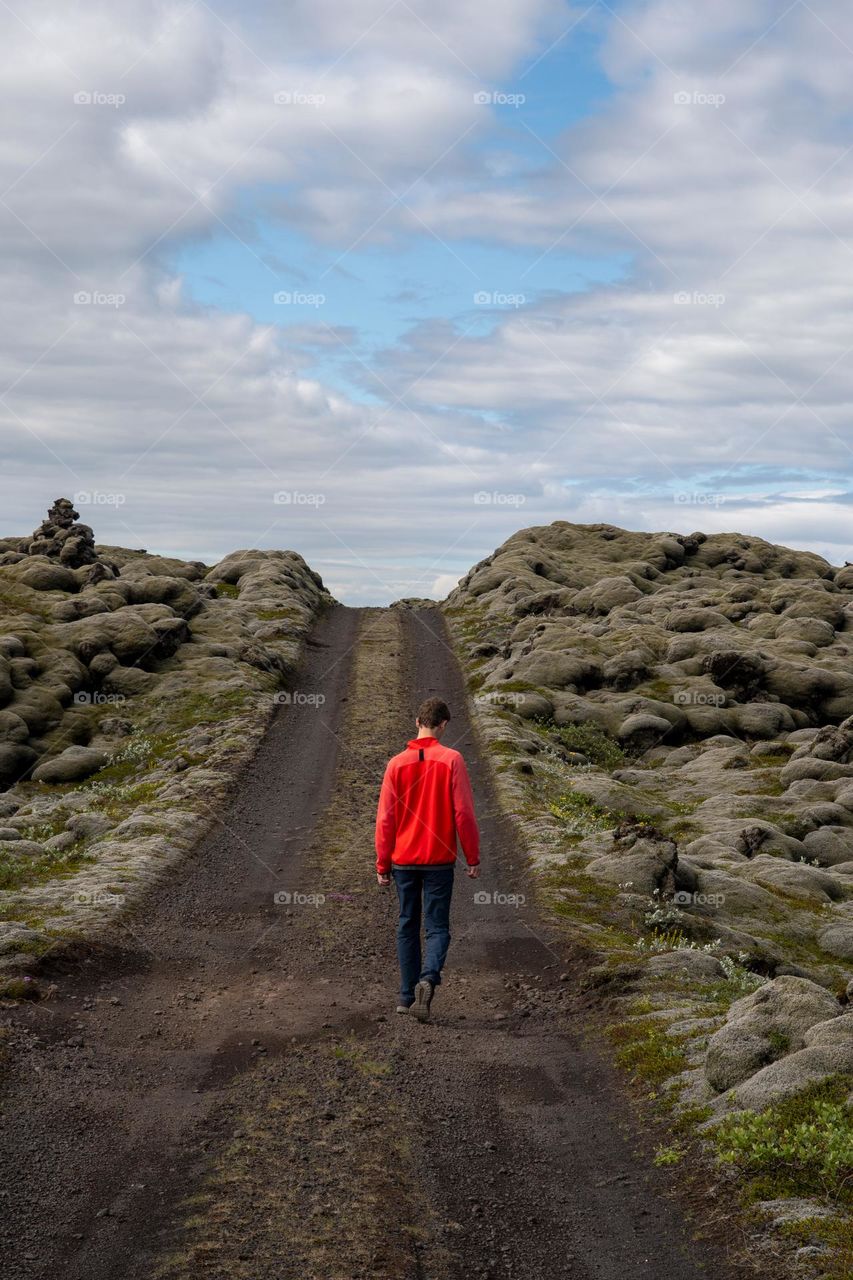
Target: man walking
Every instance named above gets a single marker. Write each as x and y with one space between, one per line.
424 804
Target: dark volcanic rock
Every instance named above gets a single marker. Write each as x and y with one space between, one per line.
59 537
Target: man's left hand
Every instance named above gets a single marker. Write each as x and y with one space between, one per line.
383 879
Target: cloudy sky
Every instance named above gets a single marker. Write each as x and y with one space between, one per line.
384 282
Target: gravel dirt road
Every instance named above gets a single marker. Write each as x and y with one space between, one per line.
224 1090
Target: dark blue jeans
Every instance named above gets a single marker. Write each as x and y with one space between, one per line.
424 892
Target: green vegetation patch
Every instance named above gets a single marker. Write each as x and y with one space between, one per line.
773 761
835 1233
51 865
792 824
276 615
587 738
196 709
19 989
800 1146
669 1155
573 878
581 816
648 1052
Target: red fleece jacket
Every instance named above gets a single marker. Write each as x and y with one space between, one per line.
424 804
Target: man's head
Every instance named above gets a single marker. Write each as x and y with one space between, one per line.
433 715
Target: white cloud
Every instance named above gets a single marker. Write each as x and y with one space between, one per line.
443 585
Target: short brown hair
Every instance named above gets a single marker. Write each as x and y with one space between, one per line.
432 712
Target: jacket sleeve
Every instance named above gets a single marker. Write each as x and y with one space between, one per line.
463 812
386 822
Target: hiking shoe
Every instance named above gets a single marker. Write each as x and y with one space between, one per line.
403 1008
423 1000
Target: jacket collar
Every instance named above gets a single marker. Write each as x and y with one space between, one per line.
416 744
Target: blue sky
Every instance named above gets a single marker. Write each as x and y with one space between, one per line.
380 291
377 293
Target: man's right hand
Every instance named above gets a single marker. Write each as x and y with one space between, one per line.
384 880
474 872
